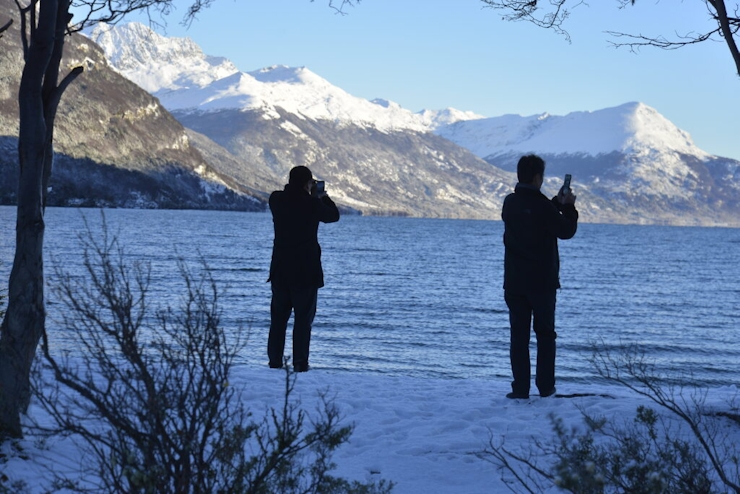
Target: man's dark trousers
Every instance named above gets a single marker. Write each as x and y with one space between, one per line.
522 309
301 301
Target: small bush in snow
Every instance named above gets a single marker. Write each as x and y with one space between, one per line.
679 447
149 394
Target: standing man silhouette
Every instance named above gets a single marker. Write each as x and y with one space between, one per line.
532 226
296 273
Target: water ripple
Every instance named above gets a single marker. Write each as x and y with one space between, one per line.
423 297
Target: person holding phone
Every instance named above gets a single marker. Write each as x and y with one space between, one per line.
296 273
532 226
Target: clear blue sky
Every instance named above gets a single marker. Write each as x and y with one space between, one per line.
433 54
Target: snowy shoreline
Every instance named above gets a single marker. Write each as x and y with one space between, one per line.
420 433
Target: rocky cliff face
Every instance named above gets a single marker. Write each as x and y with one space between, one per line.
115 144
384 173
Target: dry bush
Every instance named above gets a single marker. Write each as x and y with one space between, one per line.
147 391
680 446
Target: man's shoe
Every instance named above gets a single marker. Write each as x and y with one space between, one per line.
517 396
548 393
300 368
275 366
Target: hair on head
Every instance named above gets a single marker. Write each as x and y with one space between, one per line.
300 175
529 166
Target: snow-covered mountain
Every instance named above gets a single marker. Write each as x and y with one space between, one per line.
115 145
627 150
185 79
377 157
131 49
630 164
632 128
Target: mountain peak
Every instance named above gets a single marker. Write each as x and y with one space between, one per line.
184 78
435 119
650 129
283 73
628 128
157 63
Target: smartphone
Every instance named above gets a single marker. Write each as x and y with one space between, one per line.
319 189
566 184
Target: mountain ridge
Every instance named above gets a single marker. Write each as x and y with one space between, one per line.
630 127
630 164
211 136
300 91
201 88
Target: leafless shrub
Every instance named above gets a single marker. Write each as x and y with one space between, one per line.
148 393
680 446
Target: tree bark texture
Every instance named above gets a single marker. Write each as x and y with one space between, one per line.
38 98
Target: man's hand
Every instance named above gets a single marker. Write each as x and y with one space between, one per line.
566 198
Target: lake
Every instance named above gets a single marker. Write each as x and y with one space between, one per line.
423 297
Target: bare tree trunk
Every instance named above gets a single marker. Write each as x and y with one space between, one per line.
39 95
727 31
43 27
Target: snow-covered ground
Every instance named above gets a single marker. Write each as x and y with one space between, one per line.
422 434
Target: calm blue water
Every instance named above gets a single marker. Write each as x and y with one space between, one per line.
423 297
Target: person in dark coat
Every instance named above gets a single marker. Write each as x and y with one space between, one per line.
296 273
532 226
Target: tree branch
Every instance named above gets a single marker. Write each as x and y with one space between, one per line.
638 40
27 27
105 11
727 28
344 3
5 27
727 31
68 79
523 468
631 370
531 11
552 14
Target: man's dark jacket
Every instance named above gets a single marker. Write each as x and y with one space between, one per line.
533 225
296 254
